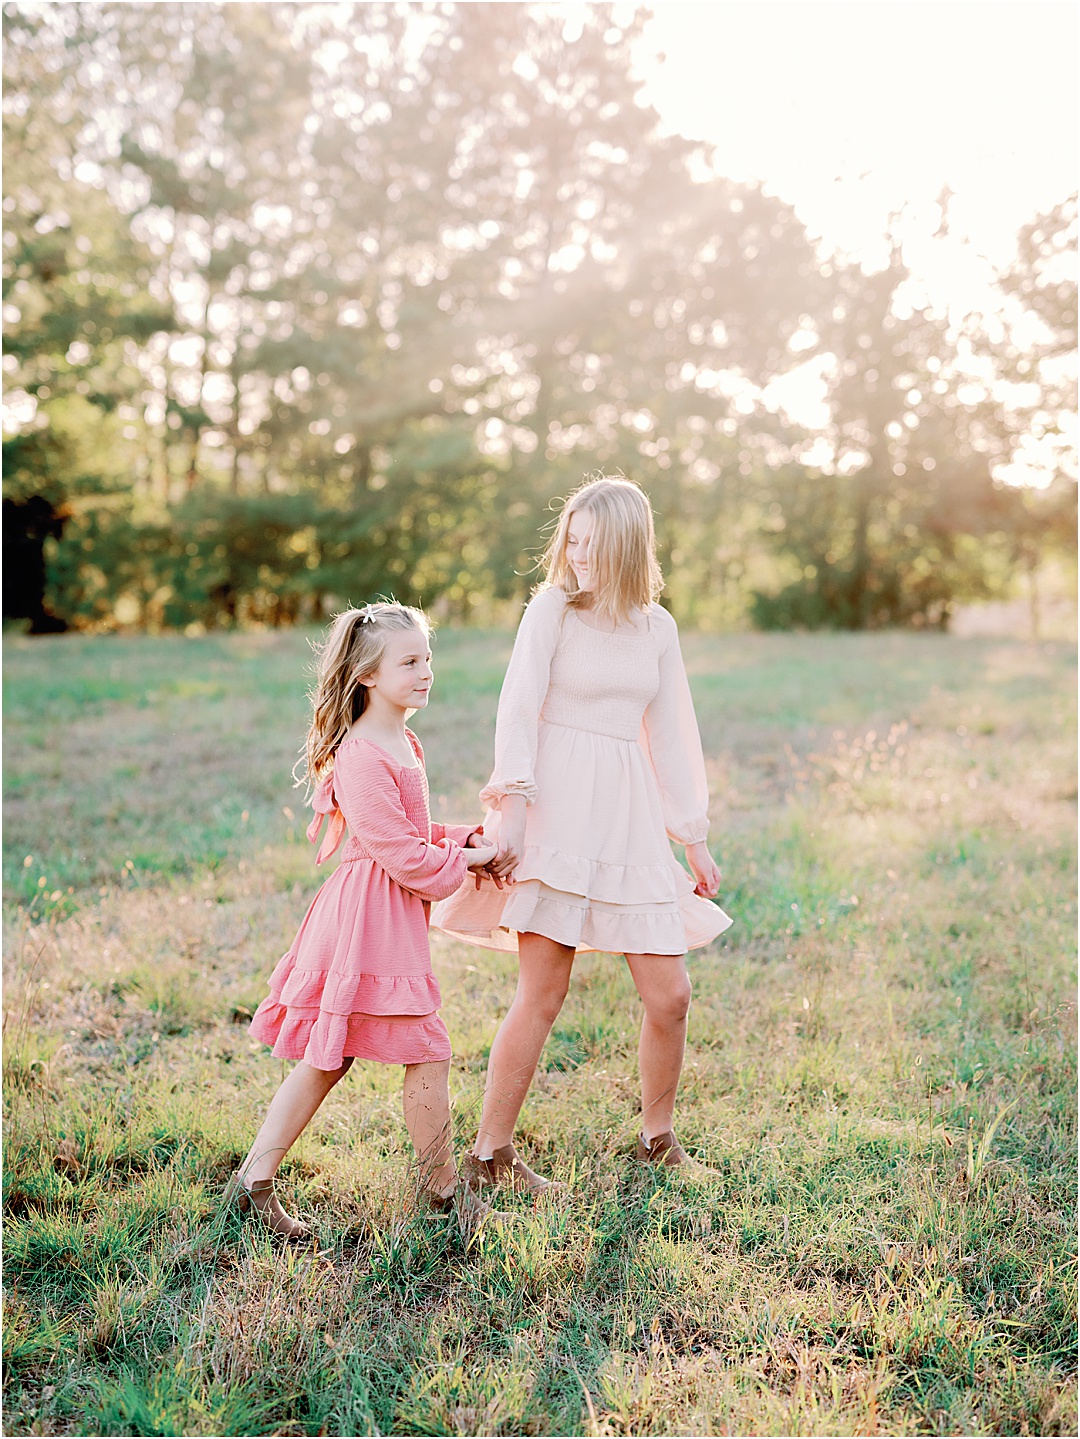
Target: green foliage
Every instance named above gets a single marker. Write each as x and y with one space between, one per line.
78 456
910 520
914 561
221 559
1032 349
425 317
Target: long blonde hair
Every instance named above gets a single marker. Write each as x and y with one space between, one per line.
622 550
352 650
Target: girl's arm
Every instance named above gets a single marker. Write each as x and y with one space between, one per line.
521 699
671 740
366 787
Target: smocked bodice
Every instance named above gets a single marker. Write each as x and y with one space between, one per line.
413 788
601 682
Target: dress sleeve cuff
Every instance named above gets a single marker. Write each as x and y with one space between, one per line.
695 833
495 790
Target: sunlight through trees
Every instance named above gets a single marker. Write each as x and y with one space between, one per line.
304 303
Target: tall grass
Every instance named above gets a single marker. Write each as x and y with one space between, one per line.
881 1069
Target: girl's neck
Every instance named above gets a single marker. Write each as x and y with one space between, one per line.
599 617
384 724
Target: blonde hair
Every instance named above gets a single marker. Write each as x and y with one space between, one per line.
622 550
352 650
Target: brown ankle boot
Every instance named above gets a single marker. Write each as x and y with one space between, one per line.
471 1211
505 1167
666 1149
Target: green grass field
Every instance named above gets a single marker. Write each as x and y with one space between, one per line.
881 1066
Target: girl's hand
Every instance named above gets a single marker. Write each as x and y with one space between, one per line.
477 841
704 869
479 856
511 835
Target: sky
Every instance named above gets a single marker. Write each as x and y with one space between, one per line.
852 110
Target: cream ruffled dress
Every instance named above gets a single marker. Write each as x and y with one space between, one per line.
598 732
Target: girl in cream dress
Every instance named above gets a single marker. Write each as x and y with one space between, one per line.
598 764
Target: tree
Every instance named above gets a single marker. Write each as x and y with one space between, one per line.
214 153
78 303
382 282
896 529
1028 414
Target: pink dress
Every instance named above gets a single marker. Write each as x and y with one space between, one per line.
357 980
598 732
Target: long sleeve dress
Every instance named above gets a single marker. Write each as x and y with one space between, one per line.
597 731
357 978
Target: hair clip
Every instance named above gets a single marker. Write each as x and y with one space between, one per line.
367 615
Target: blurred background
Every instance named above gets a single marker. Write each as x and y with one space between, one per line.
308 303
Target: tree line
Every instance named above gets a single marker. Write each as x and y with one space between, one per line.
305 304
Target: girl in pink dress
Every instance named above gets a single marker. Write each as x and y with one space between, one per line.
597 763
357 982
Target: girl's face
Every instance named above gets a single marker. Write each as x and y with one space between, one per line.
578 540
404 676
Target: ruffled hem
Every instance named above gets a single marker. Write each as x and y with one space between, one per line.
345 994
594 926
494 918
598 879
325 1040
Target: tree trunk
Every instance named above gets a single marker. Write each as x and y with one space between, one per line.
860 574
362 478
234 424
193 465
1033 592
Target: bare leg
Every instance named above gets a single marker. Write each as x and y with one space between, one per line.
425 1098
543 978
664 987
290 1112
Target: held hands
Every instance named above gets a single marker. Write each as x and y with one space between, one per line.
480 856
704 869
506 855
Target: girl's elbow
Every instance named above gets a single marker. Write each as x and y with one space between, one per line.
432 888
419 886
443 891
431 882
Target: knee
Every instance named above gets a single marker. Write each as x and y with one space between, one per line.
331 1076
428 1070
546 1004
672 1007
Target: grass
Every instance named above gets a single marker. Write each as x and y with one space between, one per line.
881 1067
